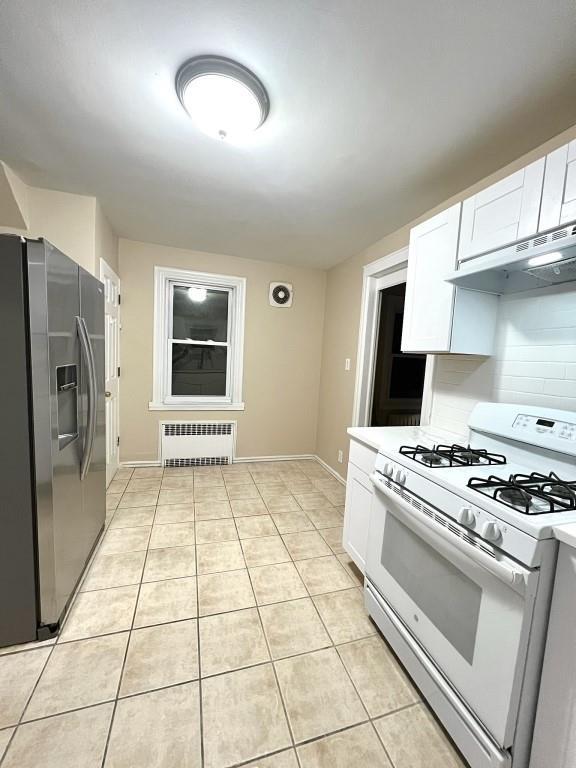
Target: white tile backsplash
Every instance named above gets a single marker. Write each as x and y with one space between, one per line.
534 363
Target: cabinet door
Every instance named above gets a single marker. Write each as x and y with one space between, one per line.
429 298
357 515
559 195
505 212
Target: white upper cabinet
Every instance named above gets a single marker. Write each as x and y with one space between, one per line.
503 213
559 195
429 298
437 316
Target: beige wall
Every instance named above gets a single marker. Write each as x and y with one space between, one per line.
298 396
73 223
343 299
67 221
105 242
282 349
13 199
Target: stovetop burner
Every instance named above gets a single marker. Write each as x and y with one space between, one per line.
514 496
451 455
562 491
471 457
432 459
534 494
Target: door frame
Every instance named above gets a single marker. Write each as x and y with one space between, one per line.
385 272
106 268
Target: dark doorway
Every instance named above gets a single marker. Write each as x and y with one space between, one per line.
398 376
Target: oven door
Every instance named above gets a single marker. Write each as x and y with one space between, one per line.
469 611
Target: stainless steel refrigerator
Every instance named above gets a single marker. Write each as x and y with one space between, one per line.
52 449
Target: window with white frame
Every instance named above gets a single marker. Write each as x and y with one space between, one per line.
198 340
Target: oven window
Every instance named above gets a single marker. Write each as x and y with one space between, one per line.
450 600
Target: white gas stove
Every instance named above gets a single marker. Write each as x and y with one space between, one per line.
517 469
460 566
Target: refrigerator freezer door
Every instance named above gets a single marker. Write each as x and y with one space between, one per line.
67 530
94 482
69 548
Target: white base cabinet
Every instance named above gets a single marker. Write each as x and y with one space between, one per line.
554 744
359 491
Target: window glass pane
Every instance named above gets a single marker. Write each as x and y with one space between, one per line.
200 313
199 370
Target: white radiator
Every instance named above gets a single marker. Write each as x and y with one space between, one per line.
197 443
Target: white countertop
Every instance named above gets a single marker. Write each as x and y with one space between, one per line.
566 533
379 437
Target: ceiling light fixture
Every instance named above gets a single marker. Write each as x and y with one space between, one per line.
223 98
545 258
197 294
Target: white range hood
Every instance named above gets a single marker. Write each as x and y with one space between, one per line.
541 261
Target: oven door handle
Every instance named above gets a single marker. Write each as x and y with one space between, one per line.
448 542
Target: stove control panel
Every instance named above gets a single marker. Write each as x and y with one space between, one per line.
490 527
563 430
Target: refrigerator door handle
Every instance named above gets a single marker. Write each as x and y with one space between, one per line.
88 355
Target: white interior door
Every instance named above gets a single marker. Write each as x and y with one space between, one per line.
112 369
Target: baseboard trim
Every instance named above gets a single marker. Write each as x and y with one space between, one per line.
250 459
237 460
328 468
295 457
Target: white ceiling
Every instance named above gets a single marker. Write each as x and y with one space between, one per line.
381 109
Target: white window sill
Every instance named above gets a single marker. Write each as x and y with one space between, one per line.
214 406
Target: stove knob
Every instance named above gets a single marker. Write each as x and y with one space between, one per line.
389 469
491 531
467 517
400 477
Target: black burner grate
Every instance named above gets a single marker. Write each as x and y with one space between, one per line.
534 494
451 456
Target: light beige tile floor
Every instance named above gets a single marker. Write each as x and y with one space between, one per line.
220 624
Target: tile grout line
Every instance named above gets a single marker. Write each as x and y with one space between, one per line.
310 597
52 647
333 645
199 651
111 724
112 515
218 613
287 719
209 677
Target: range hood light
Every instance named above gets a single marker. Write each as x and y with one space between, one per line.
545 258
